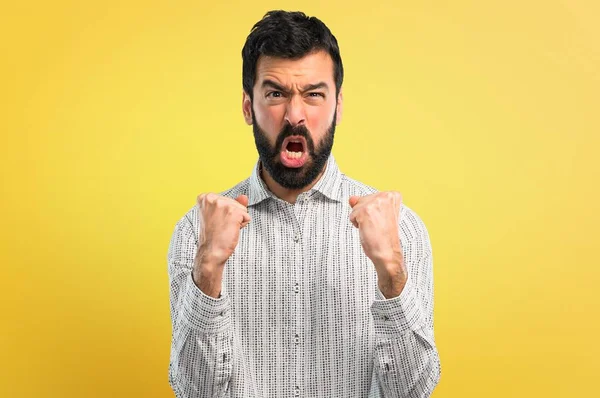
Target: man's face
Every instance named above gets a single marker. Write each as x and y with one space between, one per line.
294 114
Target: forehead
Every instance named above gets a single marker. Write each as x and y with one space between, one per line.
315 66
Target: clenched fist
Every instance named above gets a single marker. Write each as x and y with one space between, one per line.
220 219
377 217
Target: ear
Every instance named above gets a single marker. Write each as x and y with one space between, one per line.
339 107
247 108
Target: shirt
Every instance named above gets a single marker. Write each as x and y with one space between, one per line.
300 312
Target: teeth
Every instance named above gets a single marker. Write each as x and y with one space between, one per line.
293 155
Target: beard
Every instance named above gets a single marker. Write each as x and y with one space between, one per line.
290 177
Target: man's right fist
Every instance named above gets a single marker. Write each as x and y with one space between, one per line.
220 219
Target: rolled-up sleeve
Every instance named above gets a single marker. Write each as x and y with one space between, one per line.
406 359
201 346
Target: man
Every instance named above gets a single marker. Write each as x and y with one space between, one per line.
300 281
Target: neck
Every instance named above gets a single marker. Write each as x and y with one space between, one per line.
289 195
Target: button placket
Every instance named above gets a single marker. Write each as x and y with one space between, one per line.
297 268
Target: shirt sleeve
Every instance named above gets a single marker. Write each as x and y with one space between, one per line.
201 344
406 357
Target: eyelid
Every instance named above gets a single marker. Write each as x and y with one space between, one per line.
268 94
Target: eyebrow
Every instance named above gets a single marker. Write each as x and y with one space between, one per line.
309 87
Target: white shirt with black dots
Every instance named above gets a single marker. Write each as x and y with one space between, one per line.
300 312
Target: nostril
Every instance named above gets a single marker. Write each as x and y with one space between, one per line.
294 122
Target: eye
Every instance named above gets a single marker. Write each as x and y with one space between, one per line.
316 95
274 94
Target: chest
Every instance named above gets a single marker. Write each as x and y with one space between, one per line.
303 253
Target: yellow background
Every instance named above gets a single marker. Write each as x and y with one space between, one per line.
483 114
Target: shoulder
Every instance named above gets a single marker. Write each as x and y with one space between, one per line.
351 187
240 189
413 225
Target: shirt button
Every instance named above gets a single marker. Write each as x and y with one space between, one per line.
297 391
297 339
297 238
296 288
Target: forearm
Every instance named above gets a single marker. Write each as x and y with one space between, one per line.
407 367
406 359
208 281
201 349
207 272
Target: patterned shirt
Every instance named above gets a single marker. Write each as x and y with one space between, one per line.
300 312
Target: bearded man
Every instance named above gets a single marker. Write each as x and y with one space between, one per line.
300 281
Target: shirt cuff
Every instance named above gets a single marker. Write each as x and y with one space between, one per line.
205 313
396 316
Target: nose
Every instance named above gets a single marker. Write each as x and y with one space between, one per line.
294 113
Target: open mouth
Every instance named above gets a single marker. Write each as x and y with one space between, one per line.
294 151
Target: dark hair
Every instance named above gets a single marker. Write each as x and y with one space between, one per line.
292 35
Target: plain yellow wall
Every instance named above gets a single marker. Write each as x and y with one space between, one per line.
116 114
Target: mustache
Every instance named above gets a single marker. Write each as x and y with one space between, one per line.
289 130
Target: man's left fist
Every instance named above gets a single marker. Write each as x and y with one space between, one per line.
377 217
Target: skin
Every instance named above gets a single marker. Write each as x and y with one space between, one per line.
376 216
291 100
299 91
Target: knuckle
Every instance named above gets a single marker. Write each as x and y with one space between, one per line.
220 203
230 210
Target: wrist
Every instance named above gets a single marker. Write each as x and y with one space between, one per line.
208 273
392 277
391 288
209 259
208 280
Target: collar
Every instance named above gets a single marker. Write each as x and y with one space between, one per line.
329 184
